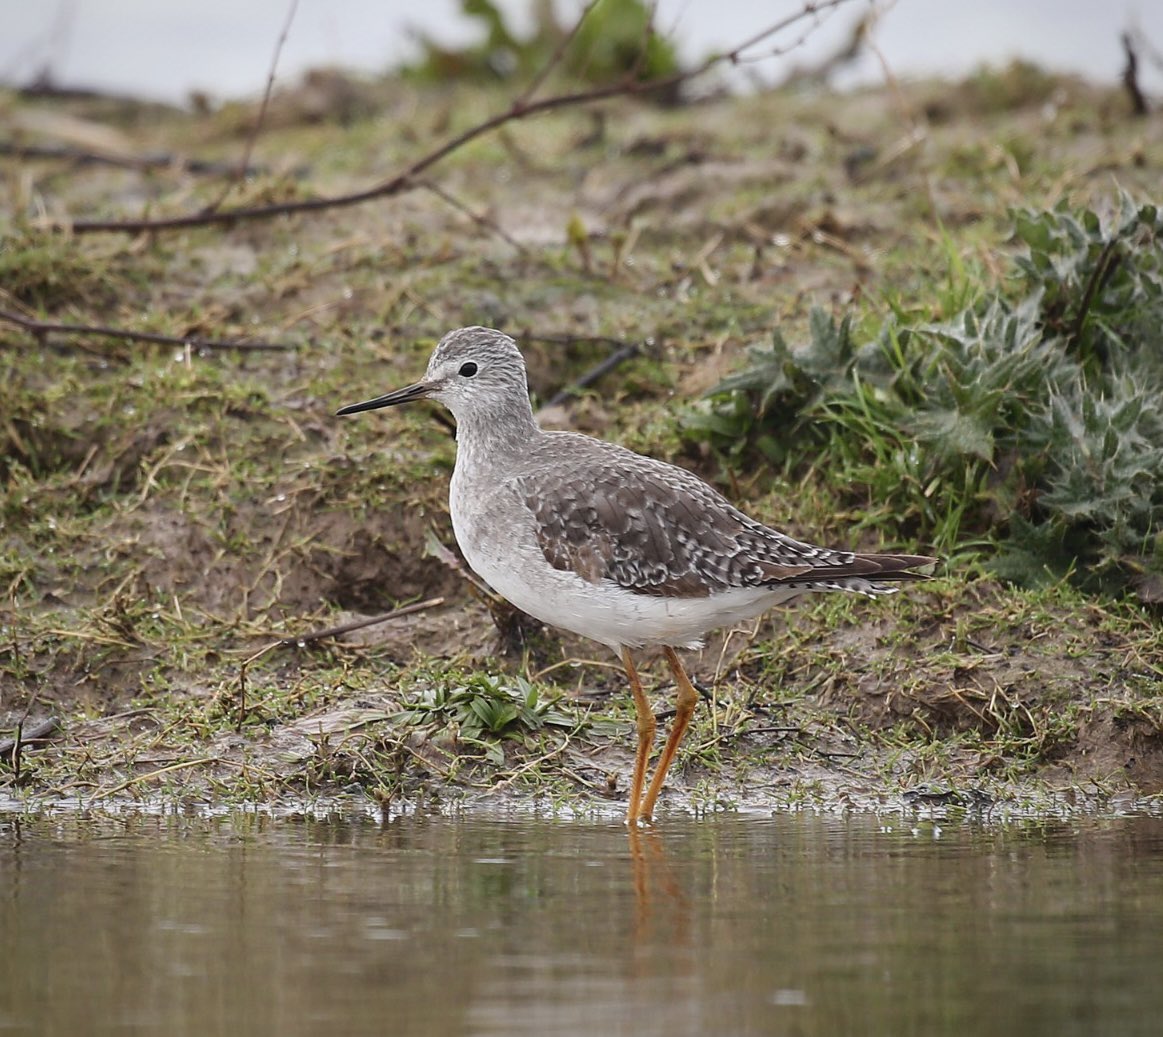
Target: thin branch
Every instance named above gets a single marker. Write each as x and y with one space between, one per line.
130 782
302 640
41 329
1131 76
407 178
39 732
161 160
554 59
318 635
1143 45
537 761
626 351
480 221
848 51
644 43
566 338
252 137
356 624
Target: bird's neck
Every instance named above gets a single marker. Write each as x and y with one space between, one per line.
490 438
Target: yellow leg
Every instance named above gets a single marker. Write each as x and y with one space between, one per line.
687 700
646 728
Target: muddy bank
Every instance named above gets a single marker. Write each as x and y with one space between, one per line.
169 512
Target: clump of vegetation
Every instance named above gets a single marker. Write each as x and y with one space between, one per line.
46 270
1018 84
615 41
1029 421
483 710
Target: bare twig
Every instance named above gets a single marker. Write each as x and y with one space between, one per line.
302 640
33 733
39 732
566 338
535 83
129 782
252 137
537 761
41 329
1131 76
848 51
357 624
479 220
162 160
644 43
626 351
318 635
406 179
1144 46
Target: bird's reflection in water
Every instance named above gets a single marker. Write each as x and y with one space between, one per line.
657 891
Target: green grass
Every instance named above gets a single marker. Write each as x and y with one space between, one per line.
1022 423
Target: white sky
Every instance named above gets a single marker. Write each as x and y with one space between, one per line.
166 48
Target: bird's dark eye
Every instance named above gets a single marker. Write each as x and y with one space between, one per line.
468 370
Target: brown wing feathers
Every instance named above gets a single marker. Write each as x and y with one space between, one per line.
650 535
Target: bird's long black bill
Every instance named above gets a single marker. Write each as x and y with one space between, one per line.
410 392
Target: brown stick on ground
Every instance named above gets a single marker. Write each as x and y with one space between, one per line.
37 732
303 640
41 329
357 624
523 107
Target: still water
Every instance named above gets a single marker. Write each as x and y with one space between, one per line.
793 924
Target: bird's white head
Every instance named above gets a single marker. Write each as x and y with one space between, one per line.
477 373
479 370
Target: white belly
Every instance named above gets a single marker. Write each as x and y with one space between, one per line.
511 562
